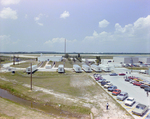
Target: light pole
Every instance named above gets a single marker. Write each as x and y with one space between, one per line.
131 63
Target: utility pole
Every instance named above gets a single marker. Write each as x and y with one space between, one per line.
0 63
14 60
131 63
31 76
65 47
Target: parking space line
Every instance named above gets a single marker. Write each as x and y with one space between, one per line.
126 106
145 115
131 109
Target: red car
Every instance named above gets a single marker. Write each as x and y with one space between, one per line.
122 74
137 83
132 77
116 92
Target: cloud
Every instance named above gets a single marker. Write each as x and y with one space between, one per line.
55 40
57 44
8 13
103 23
4 41
130 38
8 2
65 14
36 19
9 44
3 37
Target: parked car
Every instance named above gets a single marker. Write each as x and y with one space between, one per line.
131 77
144 86
108 85
132 81
112 88
104 82
122 74
97 76
127 79
129 101
147 89
101 80
116 92
138 79
122 96
140 109
113 74
137 83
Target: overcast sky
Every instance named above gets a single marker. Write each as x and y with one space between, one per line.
87 25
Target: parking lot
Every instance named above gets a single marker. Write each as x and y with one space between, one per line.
136 92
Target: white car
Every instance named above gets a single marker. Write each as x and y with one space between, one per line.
129 101
122 96
108 85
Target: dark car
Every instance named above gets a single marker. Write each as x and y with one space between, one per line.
147 89
113 74
104 82
137 83
144 86
112 88
127 79
101 80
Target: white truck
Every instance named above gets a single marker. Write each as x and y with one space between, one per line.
105 68
143 71
61 68
86 68
77 68
96 68
34 68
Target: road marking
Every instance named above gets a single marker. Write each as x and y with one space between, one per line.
126 106
131 109
145 115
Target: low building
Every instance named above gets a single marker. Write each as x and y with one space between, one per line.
50 58
126 59
144 60
149 71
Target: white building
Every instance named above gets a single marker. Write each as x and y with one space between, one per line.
50 58
126 59
145 60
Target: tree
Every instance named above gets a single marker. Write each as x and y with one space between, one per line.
74 60
67 55
98 60
79 55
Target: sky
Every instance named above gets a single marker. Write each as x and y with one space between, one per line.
118 26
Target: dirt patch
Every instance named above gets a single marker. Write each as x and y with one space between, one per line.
92 97
79 82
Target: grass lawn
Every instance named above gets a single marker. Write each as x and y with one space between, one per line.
137 68
25 64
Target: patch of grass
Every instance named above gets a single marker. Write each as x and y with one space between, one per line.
137 68
78 109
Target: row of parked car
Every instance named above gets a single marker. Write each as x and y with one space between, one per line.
140 109
139 82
